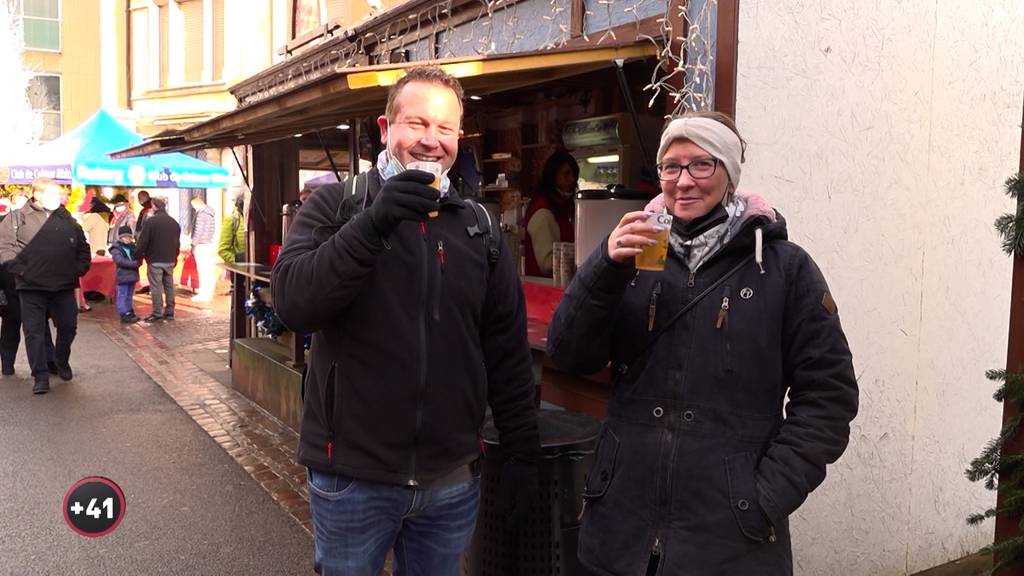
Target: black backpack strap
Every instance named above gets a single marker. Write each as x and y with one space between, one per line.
485 226
358 182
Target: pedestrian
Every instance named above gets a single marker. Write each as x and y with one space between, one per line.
10 318
400 439
122 216
126 258
159 245
202 234
701 461
231 247
96 225
45 249
146 204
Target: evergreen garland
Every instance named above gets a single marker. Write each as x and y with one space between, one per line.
998 470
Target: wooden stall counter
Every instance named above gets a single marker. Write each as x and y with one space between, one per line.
267 371
586 394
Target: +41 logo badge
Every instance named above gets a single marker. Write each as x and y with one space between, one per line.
94 506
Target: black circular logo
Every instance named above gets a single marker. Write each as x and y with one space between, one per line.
94 506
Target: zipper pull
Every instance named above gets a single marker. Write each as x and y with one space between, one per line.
653 306
440 253
656 549
330 448
722 311
771 534
689 282
583 509
423 230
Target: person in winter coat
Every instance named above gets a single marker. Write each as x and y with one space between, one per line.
202 233
45 249
159 244
416 330
96 225
231 246
126 258
122 216
701 461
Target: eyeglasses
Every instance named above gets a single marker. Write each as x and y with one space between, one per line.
698 169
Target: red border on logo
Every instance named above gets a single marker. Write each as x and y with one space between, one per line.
101 480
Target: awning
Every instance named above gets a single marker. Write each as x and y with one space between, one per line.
82 156
359 92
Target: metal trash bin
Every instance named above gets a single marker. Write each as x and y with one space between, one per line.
546 542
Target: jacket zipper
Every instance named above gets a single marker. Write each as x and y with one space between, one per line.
653 306
329 402
723 310
438 283
691 279
425 275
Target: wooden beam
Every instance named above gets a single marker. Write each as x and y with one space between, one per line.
727 40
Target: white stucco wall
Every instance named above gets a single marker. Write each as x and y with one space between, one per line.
883 131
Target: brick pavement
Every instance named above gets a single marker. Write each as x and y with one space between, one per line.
177 356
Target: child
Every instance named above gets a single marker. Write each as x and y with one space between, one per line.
127 261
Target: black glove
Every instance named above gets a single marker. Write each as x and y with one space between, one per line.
518 490
404 196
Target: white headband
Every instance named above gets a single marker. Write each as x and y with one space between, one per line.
711 135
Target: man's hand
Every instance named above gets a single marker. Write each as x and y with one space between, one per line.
518 490
405 196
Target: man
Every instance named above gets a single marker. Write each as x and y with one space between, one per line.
45 249
159 244
415 331
146 203
203 236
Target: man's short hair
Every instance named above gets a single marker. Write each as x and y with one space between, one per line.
41 183
425 74
143 193
159 202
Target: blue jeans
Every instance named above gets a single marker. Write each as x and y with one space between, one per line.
125 292
356 522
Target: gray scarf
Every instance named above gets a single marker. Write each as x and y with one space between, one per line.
696 251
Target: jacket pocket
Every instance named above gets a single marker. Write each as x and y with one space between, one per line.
603 469
743 497
328 485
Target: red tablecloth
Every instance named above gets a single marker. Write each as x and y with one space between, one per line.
101 277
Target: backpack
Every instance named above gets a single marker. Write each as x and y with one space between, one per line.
484 221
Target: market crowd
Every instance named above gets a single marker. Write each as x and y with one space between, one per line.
45 250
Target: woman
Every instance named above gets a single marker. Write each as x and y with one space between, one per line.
122 216
549 215
96 224
698 468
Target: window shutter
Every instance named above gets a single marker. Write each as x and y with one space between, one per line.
192 18
218 39
165 43
338 9
140 50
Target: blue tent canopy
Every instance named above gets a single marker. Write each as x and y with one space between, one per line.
82 156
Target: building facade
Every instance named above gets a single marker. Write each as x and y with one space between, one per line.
76 58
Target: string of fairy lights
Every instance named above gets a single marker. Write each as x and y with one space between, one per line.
684 73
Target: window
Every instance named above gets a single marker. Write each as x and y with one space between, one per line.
40 20
44 97
306 16
165 43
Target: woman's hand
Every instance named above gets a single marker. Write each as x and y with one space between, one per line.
627 239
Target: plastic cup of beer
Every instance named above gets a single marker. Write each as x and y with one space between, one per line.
435 169
653 257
